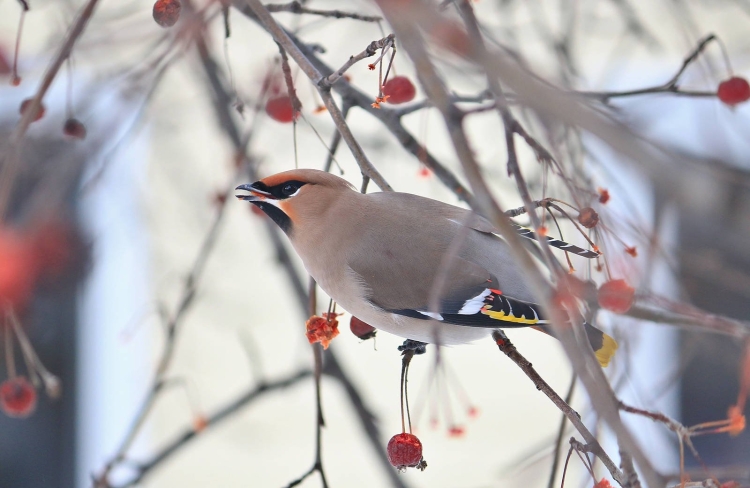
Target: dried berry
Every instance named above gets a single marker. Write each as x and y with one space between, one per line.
17 397
167 12
322 329
588 217
281 110
74 128
734 90
25 106
361 329
603 195
399 89
616 296
405 451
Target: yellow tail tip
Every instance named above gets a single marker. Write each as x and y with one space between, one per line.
605 353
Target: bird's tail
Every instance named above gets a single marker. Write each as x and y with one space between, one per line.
604 346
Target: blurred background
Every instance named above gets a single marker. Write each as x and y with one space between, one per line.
163 274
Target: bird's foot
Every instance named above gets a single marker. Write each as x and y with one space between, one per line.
411 345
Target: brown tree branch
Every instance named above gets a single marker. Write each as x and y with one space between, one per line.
507 348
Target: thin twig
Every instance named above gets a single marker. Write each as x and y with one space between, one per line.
281 37
369 51
507 348
560 435
230 409
297 8
12 159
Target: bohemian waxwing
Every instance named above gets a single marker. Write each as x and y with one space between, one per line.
378 255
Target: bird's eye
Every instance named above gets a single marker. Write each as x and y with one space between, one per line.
289 189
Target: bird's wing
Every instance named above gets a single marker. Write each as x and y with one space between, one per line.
489 308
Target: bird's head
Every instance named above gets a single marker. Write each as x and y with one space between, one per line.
289 196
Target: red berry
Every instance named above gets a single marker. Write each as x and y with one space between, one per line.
75 129
405 451
361 329
280 109
616 296
18 269
167 12
734 90
25 105
17 397
603 195
399 89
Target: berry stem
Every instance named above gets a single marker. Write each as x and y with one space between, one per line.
725 55
10 363
18 44
35 366
406 359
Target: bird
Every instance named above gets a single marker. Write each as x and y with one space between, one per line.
384 257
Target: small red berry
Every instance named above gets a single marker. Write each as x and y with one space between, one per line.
361 329
74 128
603 195
616 296
734 90
588 217
604 483
399 89
25 105
281 110
17 397
19 269
167 12
405 451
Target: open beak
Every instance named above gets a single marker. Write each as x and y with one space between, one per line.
256 195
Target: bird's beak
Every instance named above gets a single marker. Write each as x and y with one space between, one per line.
256 195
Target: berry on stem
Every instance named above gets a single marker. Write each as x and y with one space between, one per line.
18 269
74 128
588 217
616 296
405 451
733 91
167 12
399 89
322 329
17 397
361 329
281 110
25 106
